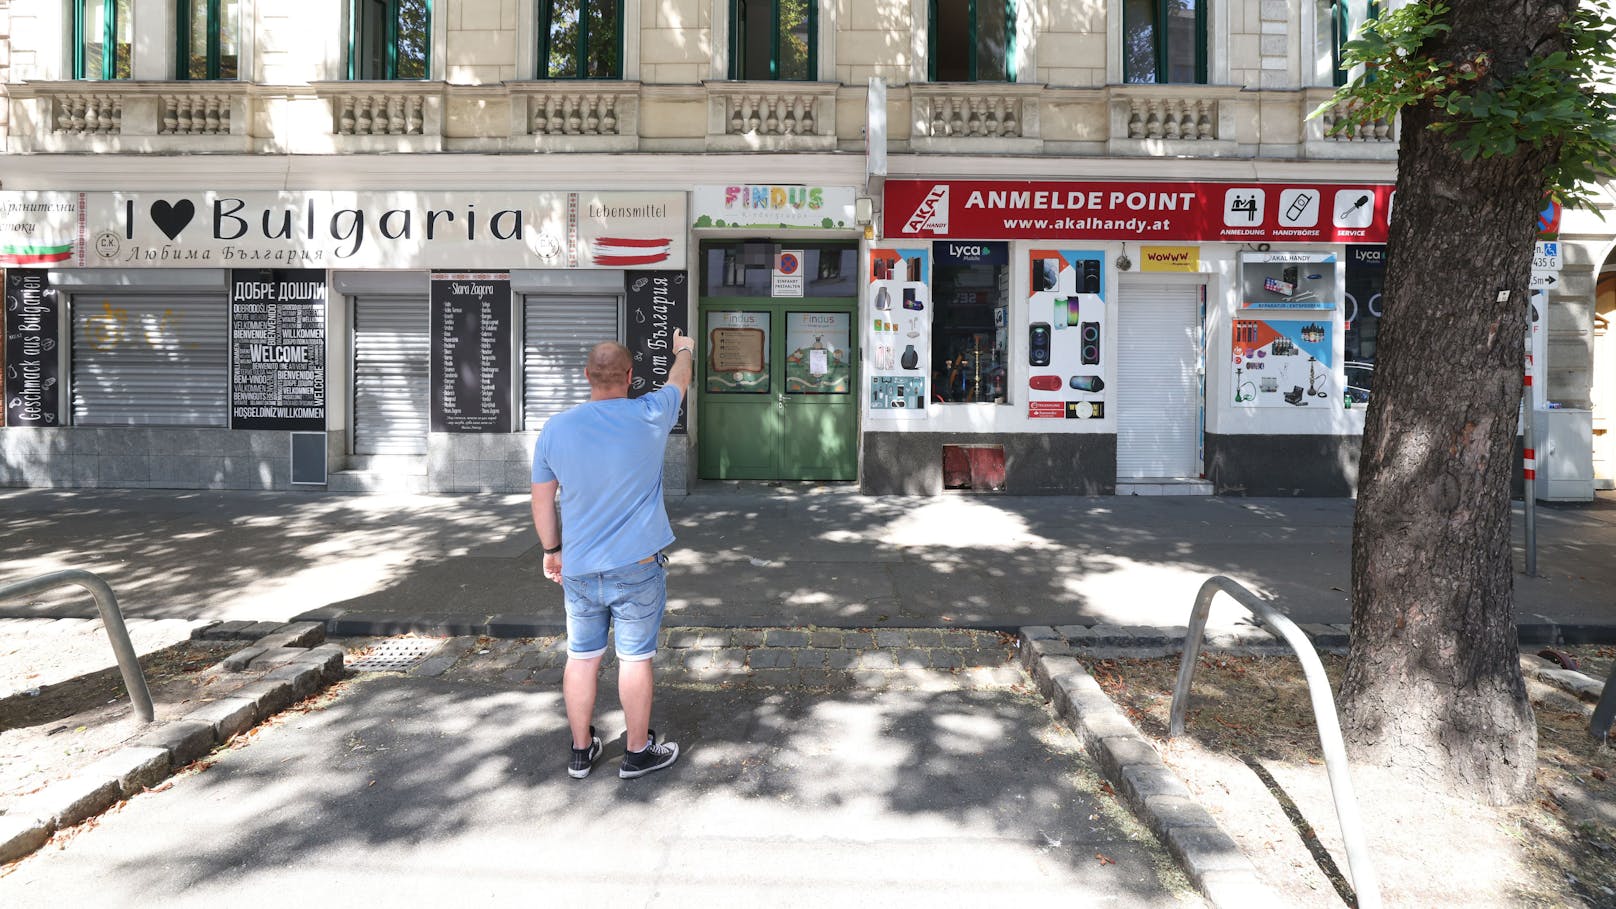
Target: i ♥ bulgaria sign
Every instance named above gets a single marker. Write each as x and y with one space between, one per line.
334 229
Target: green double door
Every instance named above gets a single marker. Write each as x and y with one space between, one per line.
778 389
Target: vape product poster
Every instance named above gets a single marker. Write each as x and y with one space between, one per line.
897 332
1066 324
1287 280
1284 363
737 352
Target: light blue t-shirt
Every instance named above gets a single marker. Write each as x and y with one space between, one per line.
607 456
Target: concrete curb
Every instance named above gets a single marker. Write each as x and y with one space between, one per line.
166 749
1130 764
1583 687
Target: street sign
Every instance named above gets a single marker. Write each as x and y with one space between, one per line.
1544 280
1546 256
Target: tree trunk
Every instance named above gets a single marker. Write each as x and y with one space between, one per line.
1433 684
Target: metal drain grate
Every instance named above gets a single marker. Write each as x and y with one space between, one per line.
397 655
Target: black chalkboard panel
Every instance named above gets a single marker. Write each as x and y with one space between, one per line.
471 352
658 302
277 348
31 357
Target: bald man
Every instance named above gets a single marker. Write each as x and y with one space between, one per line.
602 463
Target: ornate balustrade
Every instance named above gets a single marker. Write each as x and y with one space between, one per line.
771 115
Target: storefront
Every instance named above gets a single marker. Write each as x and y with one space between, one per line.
780 359
1100 337
266 340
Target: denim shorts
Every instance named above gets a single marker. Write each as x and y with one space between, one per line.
631 599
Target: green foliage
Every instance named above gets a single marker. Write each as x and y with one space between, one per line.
1565 97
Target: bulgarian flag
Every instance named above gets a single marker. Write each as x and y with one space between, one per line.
35 254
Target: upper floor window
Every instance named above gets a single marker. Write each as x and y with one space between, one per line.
580 39
1164 41
972 41
773 39
390 39
102 46
1346 20
209 39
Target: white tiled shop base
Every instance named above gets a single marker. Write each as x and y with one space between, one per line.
1163 486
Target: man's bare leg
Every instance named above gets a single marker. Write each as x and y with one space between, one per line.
634 683
578 685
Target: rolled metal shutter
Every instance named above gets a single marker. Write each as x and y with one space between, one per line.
1158 396
558 334
391 346
150 360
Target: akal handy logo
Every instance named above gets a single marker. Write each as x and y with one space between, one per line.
932 213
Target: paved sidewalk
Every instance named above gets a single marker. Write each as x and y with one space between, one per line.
945 788
793 555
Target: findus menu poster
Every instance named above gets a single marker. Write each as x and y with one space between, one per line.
31 355
658 302
277 349
471 351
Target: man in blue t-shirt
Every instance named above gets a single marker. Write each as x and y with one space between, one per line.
602 463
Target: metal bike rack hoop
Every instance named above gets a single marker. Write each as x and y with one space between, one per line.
107 604
1364 881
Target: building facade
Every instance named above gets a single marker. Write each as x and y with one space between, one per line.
1037 246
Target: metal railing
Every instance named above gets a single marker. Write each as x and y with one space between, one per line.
1364 883
107 603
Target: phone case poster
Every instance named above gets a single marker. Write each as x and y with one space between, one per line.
1287 280
819 361
897 331
738 352
1284 363
277 348
1066 324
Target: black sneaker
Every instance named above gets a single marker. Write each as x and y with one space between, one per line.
655 757
583 759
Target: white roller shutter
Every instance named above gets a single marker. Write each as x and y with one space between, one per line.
1158 396
151 360
392 342
557 335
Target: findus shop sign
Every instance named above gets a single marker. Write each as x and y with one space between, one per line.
320 229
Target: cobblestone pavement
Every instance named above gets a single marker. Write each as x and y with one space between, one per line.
814 658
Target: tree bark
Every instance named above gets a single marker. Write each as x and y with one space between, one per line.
1433 684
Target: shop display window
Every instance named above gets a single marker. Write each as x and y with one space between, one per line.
209 39
773 40
389 39
1164 41
580 39
970 331
972 40
746 269
102 42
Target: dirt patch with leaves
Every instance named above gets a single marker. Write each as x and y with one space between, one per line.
1251 756
47 735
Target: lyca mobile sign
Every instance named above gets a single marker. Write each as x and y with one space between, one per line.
318 229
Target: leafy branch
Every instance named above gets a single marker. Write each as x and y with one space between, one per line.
1565 96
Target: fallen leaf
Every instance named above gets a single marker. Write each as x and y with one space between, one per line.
1105 859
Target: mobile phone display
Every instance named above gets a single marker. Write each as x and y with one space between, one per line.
1091 277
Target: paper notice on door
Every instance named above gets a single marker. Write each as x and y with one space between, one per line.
818 362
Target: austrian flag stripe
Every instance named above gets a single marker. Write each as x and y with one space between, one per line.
1529 464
